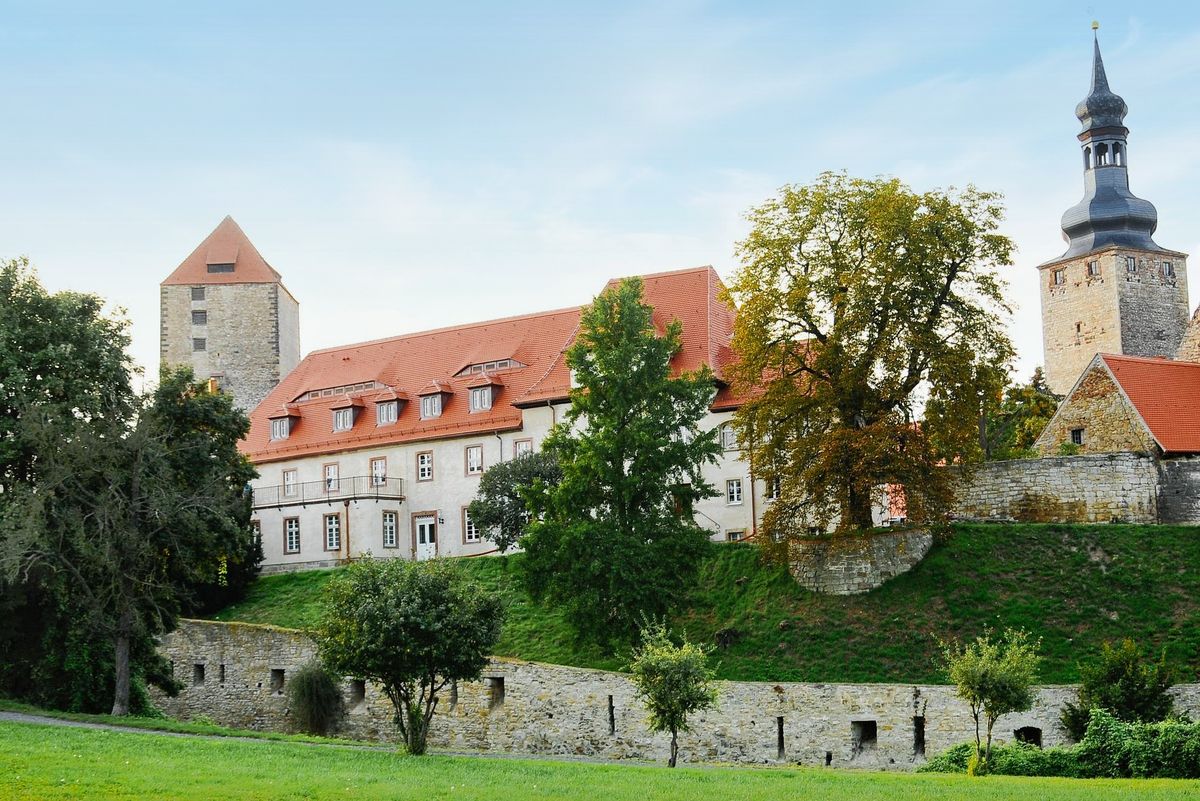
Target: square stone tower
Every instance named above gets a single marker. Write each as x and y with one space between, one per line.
1115 290
225 312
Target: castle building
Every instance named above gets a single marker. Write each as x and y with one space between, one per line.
226 313
1114 290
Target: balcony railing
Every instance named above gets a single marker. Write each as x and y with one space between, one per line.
353 488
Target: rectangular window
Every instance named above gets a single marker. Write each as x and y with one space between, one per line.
470 530
291 535
1077 436
733 491
1093 269
773 488
281 427
481 399
197 293
199 317
431 406
289 483
343 419
389 529
256 530
425 466
199 343
387 412
1131 264
735 534
1060 276
333 532
522 447
220 268
379 471
728 437
474 460
332 479
1168 269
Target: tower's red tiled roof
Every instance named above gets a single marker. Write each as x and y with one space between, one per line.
414 364
227 244
1167 396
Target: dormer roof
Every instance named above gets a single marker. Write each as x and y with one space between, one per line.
226 245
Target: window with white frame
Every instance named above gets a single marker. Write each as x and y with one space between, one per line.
1093 269
390 520
728 437
343 419
425 466
387 412
1060 276
470 530
1168 269
281 427
332 479
333 532
378 471
1131 264
481 399
733 491
289 483
522 447
431 406
256 530
735 534
474 460
773 488
291 535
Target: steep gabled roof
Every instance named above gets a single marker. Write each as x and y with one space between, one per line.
1165 394
227 244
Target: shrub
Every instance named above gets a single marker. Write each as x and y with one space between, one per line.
316 700
1018 759
953 760
1116 749
1125 684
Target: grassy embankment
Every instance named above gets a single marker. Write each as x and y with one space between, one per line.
40 762
1073 586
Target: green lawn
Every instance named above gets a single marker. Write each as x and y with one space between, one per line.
41 762
1074 586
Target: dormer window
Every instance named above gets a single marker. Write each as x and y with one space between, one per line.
281 428
343 419
481 399
431 406
220 268
387 412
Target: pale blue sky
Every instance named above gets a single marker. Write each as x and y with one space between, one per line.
407 166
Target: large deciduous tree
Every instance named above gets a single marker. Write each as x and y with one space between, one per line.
616 538
410 627
858 301
500 506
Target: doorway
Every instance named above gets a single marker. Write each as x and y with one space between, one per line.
424 537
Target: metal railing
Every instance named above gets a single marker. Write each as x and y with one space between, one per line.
353 488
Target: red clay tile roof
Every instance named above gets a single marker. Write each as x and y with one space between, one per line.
227 244
414 364
1167 396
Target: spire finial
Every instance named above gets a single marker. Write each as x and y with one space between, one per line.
1095 25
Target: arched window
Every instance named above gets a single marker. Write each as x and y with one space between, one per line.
1101 155
1118 155
1087 158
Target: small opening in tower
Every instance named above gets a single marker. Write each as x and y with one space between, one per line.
1118 155
1101 155
1087 158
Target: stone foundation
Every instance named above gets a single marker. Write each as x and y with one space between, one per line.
852 565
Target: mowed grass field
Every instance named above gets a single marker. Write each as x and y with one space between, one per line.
43 762
1072 586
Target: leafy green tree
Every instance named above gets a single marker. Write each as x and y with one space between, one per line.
315 698
500 507
410 627
1124 683
1009 429
616 538
994 675
859 299
672 680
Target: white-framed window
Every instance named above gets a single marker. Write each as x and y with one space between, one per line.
728 437
470 530
431 406
773 488
735 534
332 478
1168 269
387 412
474 460
481 399
289 483
733 491
291 535
378 471
522 447
1093 269
343 419
256 529
333 532
1131 264
390 522
281 427
1060 276
425 466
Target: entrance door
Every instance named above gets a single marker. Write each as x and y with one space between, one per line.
426 537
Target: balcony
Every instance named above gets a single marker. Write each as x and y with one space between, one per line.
354 488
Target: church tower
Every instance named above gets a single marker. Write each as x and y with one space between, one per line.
225 312
1114 290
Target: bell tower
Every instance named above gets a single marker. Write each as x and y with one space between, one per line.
1114 290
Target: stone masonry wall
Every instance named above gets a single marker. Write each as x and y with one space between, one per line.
1098 488
1154 307
529 708
852 565
1109 423
1079 317
1189 348
1179 490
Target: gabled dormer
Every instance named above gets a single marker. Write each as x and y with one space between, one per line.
433 399
483 389
283 421
345 412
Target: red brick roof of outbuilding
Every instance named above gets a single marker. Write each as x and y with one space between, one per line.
407 365
227 244
1166 394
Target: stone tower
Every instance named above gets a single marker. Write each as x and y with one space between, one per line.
226 313
1114 290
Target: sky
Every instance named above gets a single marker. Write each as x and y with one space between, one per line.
411 166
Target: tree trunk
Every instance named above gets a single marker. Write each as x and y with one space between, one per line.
987 754
978 744
858 508
121 664
674 748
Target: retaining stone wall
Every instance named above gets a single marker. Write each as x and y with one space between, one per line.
1179 490
852 565
554 710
